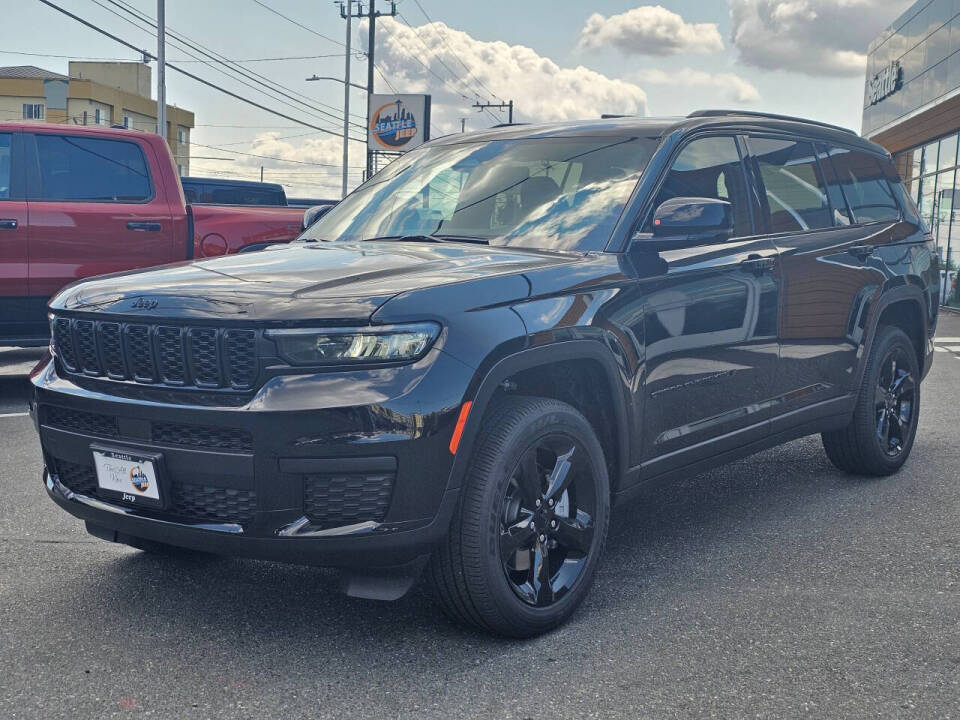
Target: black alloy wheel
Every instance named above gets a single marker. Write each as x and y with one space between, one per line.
893 401
531 520
547 520
881 432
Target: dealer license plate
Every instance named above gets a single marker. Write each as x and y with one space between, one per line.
128 477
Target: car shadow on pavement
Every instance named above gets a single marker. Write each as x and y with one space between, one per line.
295 615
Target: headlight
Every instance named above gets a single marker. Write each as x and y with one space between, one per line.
338 346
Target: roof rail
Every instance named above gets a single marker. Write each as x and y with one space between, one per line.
771 116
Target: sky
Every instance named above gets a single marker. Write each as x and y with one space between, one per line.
557 60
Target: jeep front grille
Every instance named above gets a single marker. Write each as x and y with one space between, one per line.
158 353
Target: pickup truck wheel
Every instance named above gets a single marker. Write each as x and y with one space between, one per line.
531 521
880 436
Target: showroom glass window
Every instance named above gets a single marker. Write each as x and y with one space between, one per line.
113 170
794 190
929 172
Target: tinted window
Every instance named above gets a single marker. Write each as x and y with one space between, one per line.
5 160
868 193
794 192
91 169
239 195
709 168
562 193
841 213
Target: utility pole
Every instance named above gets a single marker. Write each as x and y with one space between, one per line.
346 96
508 106
463 125
161 71
371 14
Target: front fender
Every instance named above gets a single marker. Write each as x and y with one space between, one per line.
485 385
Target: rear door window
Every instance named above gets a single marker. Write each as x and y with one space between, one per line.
84 169
865 185
793 189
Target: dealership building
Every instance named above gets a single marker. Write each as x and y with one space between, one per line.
911 106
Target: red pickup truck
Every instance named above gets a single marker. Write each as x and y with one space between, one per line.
78 201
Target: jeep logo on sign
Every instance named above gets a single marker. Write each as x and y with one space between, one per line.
886 82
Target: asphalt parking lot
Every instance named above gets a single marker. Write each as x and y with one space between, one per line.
773 587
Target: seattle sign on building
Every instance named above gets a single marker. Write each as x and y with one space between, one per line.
398 122
884 83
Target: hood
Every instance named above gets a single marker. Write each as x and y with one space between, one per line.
336 281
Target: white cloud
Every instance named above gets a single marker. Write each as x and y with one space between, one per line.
815 37
730 86
314 170
542 90
650 30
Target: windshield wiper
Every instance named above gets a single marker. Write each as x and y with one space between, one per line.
426 237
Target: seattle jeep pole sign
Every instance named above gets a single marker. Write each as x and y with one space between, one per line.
398 122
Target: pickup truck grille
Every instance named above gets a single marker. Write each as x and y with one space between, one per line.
158 353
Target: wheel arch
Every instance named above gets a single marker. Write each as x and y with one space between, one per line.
571 353
900 306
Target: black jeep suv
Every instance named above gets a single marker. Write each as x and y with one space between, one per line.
464 364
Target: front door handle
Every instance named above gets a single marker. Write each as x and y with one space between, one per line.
8 224
861 252
144 226
757 264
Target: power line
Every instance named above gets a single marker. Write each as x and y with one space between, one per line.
268 157
309 29
185 72
440 60
434 27
179 60
299 24
218 58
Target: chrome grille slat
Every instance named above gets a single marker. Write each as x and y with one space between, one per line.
158 353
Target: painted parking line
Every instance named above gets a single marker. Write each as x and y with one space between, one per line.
945 340
9 415
953 348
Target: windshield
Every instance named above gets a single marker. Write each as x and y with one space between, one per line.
553 193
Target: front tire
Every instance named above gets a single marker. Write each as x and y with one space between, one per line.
531 521
880 435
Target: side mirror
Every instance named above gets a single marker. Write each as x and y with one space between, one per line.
311 215
687 222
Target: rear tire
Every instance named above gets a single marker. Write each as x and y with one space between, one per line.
531 521
880 435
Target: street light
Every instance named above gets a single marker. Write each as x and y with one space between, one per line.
346 107
335 79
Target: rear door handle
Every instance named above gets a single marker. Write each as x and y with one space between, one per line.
144 226
8 224
757 264
861 252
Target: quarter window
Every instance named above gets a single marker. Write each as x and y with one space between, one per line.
91 170
709 168
794 191
868 192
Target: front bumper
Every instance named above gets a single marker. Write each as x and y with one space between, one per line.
348 469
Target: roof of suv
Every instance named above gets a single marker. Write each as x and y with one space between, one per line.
659 126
